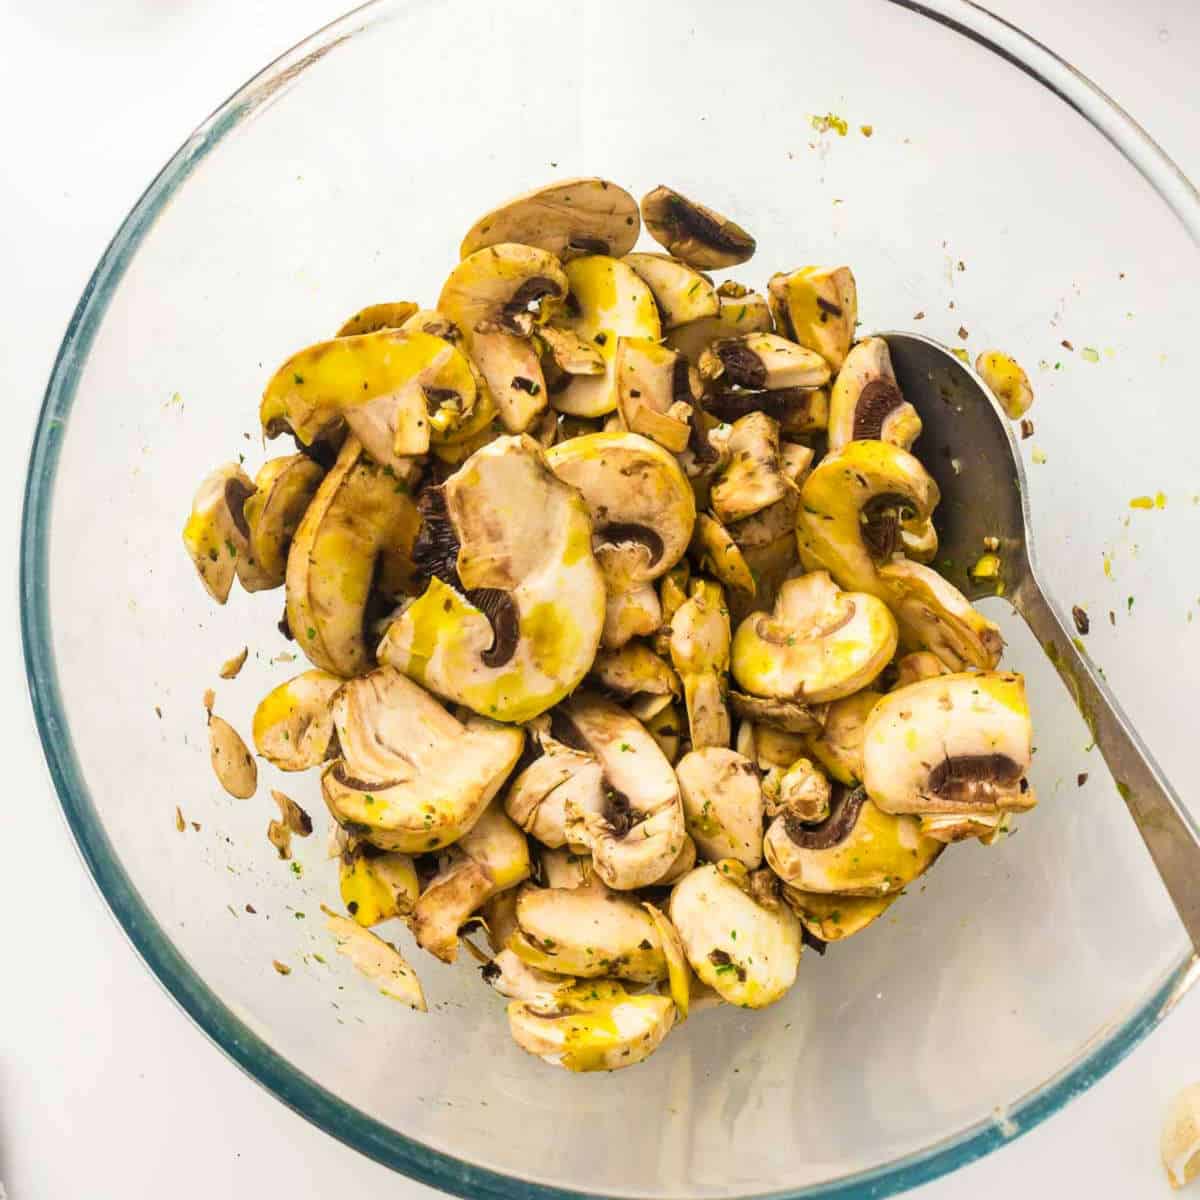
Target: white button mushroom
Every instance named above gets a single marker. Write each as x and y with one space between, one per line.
818 308
681 292
293 723
722 804
698 235
700 653
866 403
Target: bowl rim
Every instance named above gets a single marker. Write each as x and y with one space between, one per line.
151 942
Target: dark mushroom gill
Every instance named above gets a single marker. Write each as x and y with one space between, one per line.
974 780
876 402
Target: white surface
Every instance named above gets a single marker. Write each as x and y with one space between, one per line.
105 1088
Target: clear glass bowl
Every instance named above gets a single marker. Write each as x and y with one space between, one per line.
999 192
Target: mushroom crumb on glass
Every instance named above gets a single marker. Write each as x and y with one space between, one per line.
627 654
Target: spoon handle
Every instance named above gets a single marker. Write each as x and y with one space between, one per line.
1169 832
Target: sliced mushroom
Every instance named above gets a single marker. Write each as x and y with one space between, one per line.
667 728
799 411
283 490
656 392
858 850
700 653
392 314
638 677
752 480
378 960
763 360
565 868
681 293
570 353
934 615
771 712
770 747
231 761
636 834
519 981
920 664
429 320
630 614
819 644
592 1027
801 792
816 307
866 402
833 918
411 777
573 216
377 885
672 592
513 612
1007 380
698 235
838 747
851 507
293 723
722 804
353 544
538 797
716 553
216 533
746 952
512 370
795 461
736 315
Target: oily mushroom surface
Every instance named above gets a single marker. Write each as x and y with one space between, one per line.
722 804
692 232
866 403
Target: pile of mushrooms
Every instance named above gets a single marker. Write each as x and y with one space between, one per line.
625 648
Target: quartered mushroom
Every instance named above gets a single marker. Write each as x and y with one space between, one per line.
411 776
816 307
752 480
769 746
283 490
391 314
799 411
630 614
216 534
736 315
293 723
800 791
512 615
954 750
681 292
717 554
763 360
838 745
700 654
694 233
918 539
657 392
722 804
858 850
866 402
745 951
573 216
833 918
1007 380
644 682
352 547
819 644
377 885
851 506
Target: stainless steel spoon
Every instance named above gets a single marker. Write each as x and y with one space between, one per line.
968 446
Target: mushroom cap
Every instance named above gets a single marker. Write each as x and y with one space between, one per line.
833 918
866 402
355 538
507 287
818 308
838 745
819 644
951 744
789 716
735 315
412 776
746 952
524 542
681 292
698 235
391 314
1007 380
572 216
752 480
216 534
565 868
801 791
512 371
640 501
722 804
918 665
293 723
283 490
858 850
636 675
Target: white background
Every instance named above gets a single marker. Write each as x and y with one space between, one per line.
106 1090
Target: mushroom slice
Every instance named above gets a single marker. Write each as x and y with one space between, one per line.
608 301
377 885
955 744
858 850
512 616
565 868
819 644
413 777
795 461
700 653
641 504
592 1026
816 307
519 981
499 919
801 792
763 360
746 952
216 535
920 664
573 216
799 411
630 614
838 747
538 797
283 490
770 747
851 507
722 804
588 932
656 392
491 857
679 974
866 402
636 834
378 960
736 315
788 716
753 480
353 544
571 354
638 677
681 293
666 728
717 554
293 723
834 918
392 314
231 762
934 615
918 539
1007 380
698 235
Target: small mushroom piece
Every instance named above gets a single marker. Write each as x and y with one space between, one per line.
681 293
656 392
537 799
630 614
570 353
684 862
700 654
752 480
391 314
565 868
795 461
746 952
801 791
763 360
934 615
866 402
799 411
436 324
838 746
717 554
858 850
1008 382
851 506
816 307
920 664
666 728
918 539
636 834
771 747
699 236
771 712
513 612
637 677
517 980
679 974
411 775
512 371
231 760
588 932
833 918
216 535
293 723
722 804
283 490
1180 1142
950 745
352 545
736 315
378 960
231 668
377 885
499 919
592 1027
573 216
819 644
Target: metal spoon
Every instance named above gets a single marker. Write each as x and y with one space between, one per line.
967 445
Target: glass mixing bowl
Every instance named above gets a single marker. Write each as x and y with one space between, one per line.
998 192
